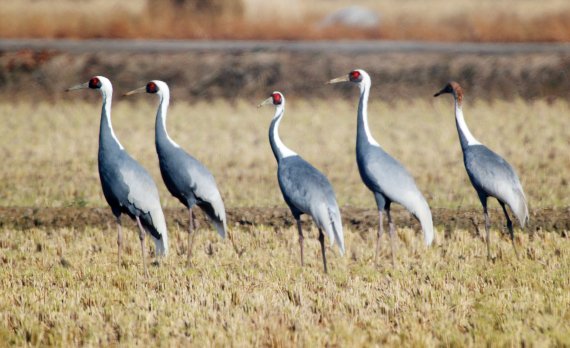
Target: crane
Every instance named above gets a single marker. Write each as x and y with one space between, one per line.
127 186
388 180
490 174
304 188
185 177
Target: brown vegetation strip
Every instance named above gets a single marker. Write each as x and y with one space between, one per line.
193 76
550 219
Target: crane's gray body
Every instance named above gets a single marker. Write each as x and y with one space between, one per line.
492 176
388 180
187 179
128 187
307 191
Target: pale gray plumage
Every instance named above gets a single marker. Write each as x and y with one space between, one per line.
184 176
489 173
127 186
304 188
381 173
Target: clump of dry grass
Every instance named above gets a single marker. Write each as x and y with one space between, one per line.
253 19
49 150
63 287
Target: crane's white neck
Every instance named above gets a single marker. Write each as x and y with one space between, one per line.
284 150
107 94
164 97
465 136
363 108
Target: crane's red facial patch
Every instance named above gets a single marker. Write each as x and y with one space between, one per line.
355 76
277 99
151 87
95 83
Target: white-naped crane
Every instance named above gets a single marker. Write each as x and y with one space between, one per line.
185 177
305 189
489 173
388 180
127 186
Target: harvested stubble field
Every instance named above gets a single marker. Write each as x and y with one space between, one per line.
61 285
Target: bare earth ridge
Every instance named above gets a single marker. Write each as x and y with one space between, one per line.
546 219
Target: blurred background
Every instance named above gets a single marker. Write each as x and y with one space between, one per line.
433 20
527 72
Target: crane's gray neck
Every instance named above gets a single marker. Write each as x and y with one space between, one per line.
107 139
465 136
280 151
363 135
162 138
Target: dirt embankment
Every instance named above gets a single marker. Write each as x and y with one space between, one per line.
198 75
277 217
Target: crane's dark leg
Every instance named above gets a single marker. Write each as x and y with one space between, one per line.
510 228
380 232
392 232
301 238
142 234
322 240
487 228
194 220
119 238
191 233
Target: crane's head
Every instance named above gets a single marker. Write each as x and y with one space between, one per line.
453 88
153 87
276 99
100 83
357 76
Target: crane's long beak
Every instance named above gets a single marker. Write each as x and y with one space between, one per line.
443 91
79 86
265 102
339 79
138 90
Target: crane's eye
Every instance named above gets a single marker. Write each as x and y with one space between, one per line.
151 87
95 83
277 99
355 76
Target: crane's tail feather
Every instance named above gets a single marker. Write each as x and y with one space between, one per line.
155 225
424 216
336 224
220 227
521 209
217 217
161 245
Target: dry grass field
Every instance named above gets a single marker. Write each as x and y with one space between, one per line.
50 149
62 286
436 20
